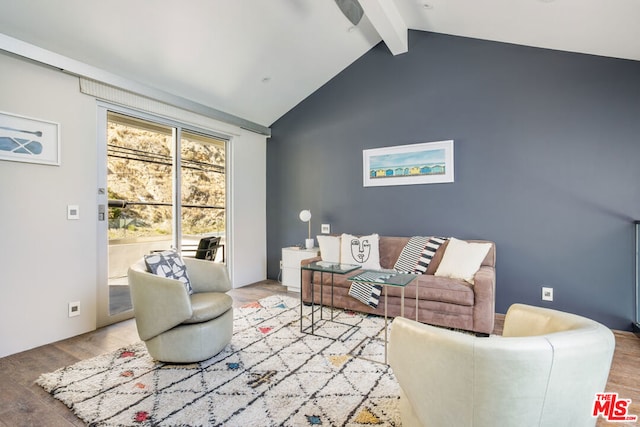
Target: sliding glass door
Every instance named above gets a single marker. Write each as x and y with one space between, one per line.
202 192
154 199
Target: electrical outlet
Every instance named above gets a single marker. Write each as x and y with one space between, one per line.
547 294
325 228
73 212
74 309
280 264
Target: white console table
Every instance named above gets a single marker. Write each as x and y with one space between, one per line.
291 258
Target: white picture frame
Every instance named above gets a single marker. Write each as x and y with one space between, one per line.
423 163
25 139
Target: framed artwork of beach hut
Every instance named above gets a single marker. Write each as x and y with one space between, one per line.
24 139
425 163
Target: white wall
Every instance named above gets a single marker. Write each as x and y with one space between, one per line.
48 261
248 249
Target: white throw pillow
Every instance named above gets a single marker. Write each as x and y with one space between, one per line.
462 259
329 248
363 251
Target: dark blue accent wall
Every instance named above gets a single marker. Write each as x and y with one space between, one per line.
547 163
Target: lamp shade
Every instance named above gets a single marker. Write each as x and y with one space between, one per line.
305 215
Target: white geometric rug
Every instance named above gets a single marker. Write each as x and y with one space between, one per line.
270 375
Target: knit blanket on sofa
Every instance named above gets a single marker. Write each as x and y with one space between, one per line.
417 254
414 259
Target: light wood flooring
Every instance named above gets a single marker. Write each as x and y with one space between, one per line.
23 403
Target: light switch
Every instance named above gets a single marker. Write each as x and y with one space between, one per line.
73 212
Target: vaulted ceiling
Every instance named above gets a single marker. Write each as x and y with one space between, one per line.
257 59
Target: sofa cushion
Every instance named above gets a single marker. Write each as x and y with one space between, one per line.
363 251
390 249
445 290
329 248
168 264
462 259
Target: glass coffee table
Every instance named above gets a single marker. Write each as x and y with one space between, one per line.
387 278
328 268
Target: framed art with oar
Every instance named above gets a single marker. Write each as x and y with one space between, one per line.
24 139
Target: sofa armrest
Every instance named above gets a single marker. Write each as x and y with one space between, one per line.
484 289
207 276
310 260
305 289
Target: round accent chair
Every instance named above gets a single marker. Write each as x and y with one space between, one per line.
544 371
178 326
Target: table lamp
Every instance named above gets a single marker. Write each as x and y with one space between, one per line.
305 216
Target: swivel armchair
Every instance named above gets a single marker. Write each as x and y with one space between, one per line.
179 327
545 370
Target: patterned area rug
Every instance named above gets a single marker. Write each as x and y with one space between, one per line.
270 375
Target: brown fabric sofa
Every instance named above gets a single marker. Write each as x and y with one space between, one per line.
442 301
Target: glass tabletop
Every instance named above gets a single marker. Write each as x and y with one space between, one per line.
330 267
390 277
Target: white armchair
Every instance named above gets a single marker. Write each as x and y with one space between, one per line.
543 371
175 326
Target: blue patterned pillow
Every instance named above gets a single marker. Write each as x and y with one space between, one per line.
170 265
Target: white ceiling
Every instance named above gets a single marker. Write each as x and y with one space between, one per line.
257 59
